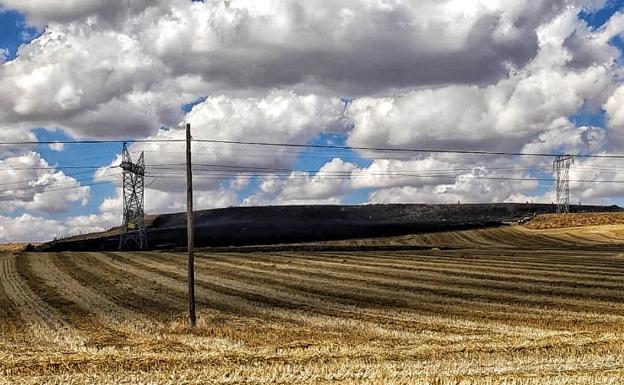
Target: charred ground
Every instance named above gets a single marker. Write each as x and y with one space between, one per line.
241 226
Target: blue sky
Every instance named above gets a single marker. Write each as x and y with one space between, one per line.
14 32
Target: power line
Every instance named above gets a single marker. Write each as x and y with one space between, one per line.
268 173
94 141
407 150
74 167
317 146
33 189
349 177
12 196
255 170
59 168
36 180
24 192
220 171
30 189
319 173
212 166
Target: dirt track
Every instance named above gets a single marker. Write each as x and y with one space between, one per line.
537 313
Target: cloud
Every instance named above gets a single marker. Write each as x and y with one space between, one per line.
15 133
614 107
123 68
526 111
89 83
506 115
222 169
495 75
444 180
279 116
326 186
596 169
30 183
466 189
348 47
31 228
43 12
57 146
95 78
27 228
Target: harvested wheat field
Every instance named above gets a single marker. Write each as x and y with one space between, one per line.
539 313
12 247
556 221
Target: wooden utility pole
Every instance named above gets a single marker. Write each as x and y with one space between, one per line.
190 228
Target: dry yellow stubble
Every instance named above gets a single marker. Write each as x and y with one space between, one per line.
541 312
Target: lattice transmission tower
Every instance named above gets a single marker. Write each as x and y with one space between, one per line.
133 227
561 165
344 116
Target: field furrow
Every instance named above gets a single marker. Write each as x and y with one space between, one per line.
325 303
385 281
291 264
479 316
43 322
122 287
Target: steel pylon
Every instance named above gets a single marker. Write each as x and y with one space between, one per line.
133 227
561 165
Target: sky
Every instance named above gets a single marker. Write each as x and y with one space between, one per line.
483 75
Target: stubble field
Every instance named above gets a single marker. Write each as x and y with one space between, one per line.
510 307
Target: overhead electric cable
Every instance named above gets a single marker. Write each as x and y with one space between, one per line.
59 168
13 196
349 177
32 189
94 141
36 180
408 150
319 146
